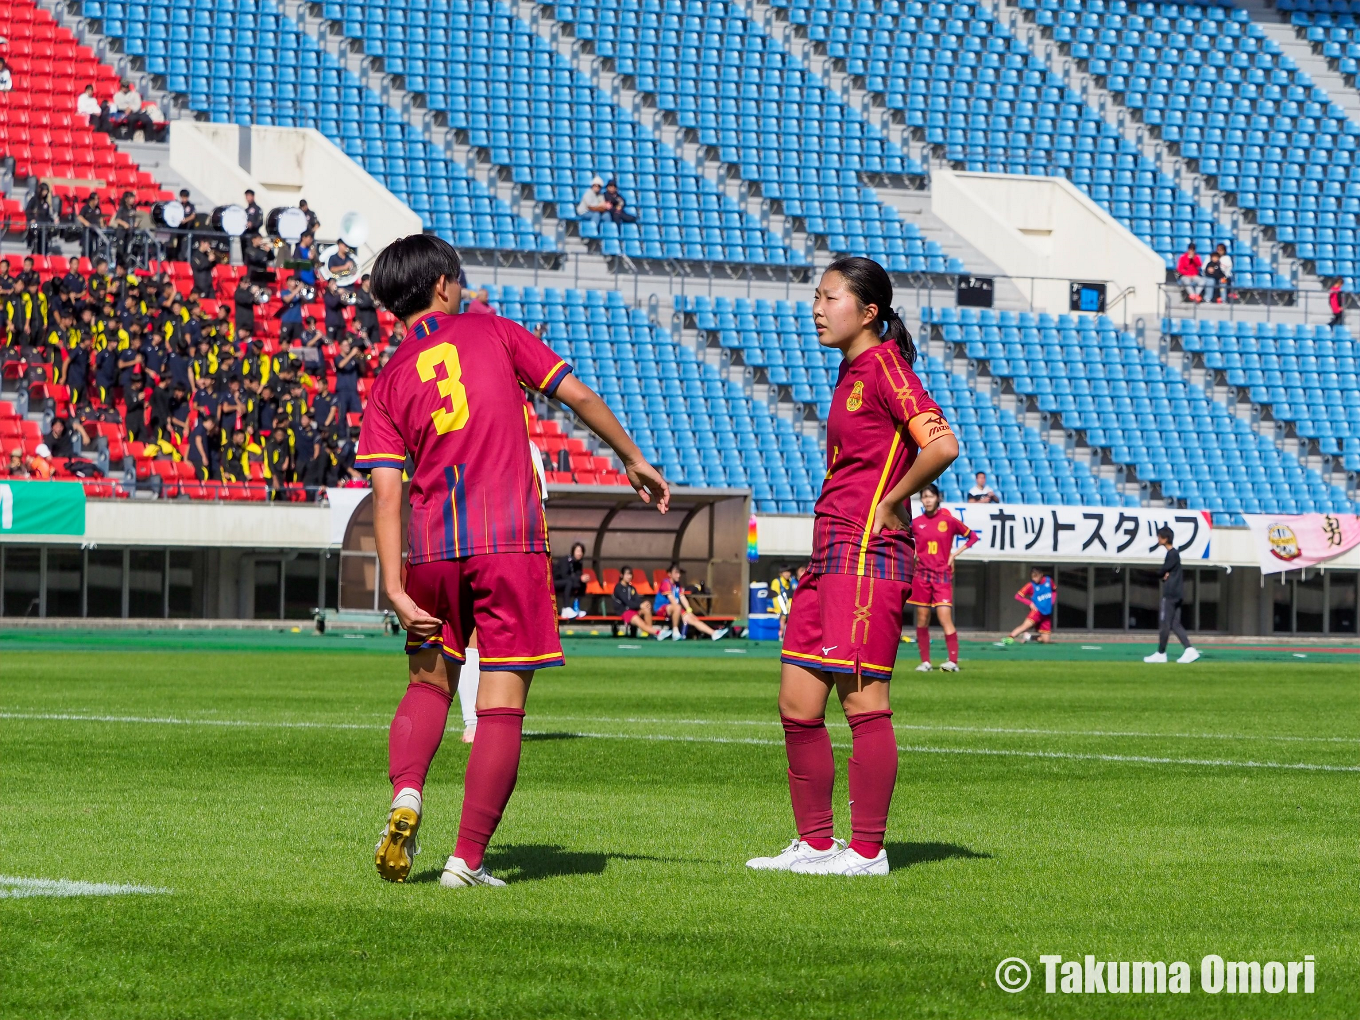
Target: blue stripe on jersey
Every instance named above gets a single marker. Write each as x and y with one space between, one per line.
424 327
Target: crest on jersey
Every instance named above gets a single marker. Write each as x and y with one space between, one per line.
943 526
856 399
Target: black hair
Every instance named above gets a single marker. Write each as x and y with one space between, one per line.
674 566
871 285
406 271
624 569
578 545
1166 533
931 487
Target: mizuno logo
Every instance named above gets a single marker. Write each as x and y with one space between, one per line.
829 648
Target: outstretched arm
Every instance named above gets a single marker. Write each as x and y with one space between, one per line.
651 486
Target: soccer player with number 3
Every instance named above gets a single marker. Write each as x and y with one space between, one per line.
885 440
452 398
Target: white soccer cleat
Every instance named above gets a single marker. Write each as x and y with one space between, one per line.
720 633
1189 655
678 634
925 666
846 862
949 666
663 633
457 875
796 852
1155 657
398 845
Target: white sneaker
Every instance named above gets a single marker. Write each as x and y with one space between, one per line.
1155 657
568 613
925 666
457 875
663 633
678 634
949 666
796 852
720 633
847 862
1189 655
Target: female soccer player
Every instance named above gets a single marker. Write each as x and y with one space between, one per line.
933 585
885 440
1038 595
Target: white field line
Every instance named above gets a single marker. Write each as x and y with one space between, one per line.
14 888
760 741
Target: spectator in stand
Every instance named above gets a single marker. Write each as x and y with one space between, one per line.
66 439
672 600
313 224
981 492
1225 264
1336 301
42 211
182 248
1190 269
28 313
617 204
634 609
259 253
593 205
6 76
126 102
290 315
278 455
151 122
1213 272
205 449
481 303
347 367
305 251
201 261
124 222
88 105
567 581
335 302
90 219
254 214
40 464
244 301
16 468
342 264
366 310
79 369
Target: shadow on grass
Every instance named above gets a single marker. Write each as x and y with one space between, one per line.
532 861
551 736
904 855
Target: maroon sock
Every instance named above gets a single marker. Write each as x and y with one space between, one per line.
951 642
493 767
416 731
923 642
812 772
873 772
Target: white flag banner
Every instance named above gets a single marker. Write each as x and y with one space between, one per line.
1082 534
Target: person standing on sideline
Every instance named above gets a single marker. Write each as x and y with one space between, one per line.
781 593
1169 610
451 398
886 439
1038 595
932 586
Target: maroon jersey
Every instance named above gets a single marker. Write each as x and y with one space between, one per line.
880 418
451 397
934 538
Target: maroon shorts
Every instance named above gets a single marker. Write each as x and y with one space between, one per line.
929 588
1044 620
506 597
840 623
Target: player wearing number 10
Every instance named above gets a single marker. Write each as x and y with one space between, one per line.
452 397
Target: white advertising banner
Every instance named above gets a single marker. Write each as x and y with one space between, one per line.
1081 534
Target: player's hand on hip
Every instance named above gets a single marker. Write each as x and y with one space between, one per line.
414 620
887 518
650 484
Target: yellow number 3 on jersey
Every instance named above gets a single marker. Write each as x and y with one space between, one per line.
455 416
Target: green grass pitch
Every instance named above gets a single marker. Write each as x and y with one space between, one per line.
1045 804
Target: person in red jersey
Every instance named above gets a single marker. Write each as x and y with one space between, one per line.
932 586
885 440
1039 594
451 398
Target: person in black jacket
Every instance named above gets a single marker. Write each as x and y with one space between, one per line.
366 310
201 261
41 211
1169 612
567 581
258 255
334 300
245 309
634 609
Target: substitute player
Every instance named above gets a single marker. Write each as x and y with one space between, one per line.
1038 594
477 539
885 440
932 586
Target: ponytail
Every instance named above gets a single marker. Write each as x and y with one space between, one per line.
871 285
